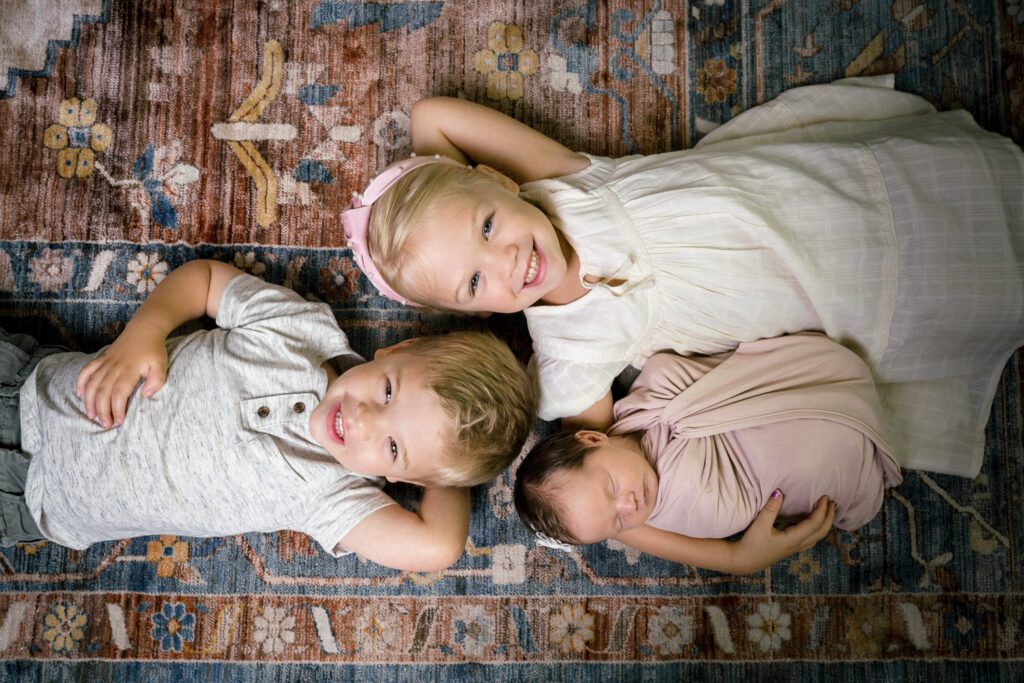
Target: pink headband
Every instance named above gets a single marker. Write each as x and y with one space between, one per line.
356 218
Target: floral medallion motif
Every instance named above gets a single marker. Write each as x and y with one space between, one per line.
168 553
273 629
173 626
77 137
505 61
65 626
716 81
572 627
769 627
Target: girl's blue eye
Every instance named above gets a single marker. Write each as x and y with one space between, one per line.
488 226
387 391
474 282
394 450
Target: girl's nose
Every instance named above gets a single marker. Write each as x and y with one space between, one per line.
510 260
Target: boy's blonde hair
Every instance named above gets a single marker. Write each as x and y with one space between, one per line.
404 208
489 395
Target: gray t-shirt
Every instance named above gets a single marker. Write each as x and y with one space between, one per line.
223 448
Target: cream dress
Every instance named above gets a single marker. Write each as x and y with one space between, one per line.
848 208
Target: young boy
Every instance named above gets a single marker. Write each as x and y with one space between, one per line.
700 444
269 422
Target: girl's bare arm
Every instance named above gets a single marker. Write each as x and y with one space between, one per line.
761 546
471 132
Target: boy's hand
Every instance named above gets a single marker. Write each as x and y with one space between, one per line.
106 382
763 545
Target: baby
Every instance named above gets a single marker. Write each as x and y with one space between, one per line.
269 422
700 444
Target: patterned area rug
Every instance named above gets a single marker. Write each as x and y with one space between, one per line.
138 135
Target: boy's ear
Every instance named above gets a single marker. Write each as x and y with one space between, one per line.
380 353
589 437
506 183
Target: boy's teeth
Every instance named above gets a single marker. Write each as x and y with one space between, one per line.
339 425
531 272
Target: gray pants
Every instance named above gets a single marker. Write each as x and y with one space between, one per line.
19 354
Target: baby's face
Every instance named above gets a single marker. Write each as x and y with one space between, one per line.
485 251
614 491
380 419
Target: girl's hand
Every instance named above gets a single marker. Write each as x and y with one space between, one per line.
763 545
106 382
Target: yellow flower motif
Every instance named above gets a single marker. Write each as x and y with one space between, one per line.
168 553
64 627
716 81
77 137
804 567
32 548
505 61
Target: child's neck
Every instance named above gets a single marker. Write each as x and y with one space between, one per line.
571 288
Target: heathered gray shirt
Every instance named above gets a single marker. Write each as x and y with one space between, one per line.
223 448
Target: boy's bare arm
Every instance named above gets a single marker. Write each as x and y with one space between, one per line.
187 293
472 132
428 540
761 546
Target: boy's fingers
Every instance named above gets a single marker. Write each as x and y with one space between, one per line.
155 380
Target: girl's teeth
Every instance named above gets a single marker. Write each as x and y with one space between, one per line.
339 425
531 272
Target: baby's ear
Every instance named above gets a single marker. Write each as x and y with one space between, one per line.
506 183
590 437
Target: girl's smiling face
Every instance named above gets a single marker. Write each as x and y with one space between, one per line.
485 251
614 491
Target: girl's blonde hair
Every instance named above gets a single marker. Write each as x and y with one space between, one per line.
401 211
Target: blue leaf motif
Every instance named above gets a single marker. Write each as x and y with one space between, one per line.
162 211
144 164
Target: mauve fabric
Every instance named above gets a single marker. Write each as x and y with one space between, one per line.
799 413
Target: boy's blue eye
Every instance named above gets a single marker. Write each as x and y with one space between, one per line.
474 282
387 391
487 227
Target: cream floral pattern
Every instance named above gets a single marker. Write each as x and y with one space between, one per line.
52 270
768 627
670 629
505 61
249 264
77 137
474 629
145 272
273 629
572 627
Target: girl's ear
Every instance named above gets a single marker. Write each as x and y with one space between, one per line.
506 183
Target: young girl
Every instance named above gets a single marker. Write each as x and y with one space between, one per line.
701 443
848 208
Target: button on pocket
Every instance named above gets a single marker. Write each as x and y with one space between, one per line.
263 411
299 407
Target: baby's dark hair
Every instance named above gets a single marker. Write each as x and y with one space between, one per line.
537 509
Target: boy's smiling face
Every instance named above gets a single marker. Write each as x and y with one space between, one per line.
380 419
614 491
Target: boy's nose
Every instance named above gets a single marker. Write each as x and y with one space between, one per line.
364 421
